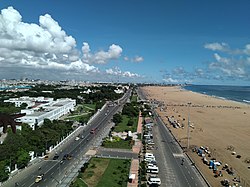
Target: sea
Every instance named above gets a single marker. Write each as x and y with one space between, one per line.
234 93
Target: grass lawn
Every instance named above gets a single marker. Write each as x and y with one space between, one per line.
124 127
83 108
88 107
122 144
78 183
103 172
116 174
95 170
78 117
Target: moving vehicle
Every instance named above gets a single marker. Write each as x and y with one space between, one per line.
39 178
67 157
93 131
77 138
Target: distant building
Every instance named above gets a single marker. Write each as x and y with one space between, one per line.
19 101
41 108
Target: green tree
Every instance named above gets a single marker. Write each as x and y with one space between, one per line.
23 158
3 174
117 118
130 122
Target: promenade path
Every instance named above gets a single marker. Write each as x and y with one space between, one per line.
136 149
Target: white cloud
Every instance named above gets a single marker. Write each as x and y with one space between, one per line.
233 67
247 49
47 46
217 46
170 80
138 59
221 59
126 58
117 72
135 59
32 44
100 57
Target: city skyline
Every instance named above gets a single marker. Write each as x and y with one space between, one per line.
161 42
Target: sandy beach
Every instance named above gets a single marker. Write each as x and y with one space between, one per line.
221 125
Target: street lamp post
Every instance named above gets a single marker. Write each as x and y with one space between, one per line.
188 130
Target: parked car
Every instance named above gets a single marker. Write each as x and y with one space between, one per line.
154 181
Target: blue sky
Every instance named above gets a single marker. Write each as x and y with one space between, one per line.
200 42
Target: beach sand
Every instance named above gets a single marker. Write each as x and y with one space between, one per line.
217 124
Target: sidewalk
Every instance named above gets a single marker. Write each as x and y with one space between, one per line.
136 149
134 170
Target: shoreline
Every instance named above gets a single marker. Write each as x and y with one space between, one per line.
215 96
216 123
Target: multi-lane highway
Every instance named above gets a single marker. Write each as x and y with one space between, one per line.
55 171
175 169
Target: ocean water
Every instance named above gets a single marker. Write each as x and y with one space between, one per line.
235 93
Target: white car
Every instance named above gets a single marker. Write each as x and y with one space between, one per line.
77 138
154 180
39 178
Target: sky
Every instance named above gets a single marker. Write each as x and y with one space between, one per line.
144 41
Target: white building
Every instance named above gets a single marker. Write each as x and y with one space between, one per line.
44 108
19 101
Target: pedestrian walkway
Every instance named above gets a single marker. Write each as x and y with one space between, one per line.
137 146
139 126
135 162
134 172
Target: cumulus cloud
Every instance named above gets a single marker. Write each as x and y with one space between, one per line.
231 64
135 59
100 57
47 46
117 72
228 64
171 80
217 46
37 45
231 67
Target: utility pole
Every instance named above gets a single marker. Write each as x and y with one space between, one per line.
188 130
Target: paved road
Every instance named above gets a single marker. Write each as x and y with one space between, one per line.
54 171
116 153
169 157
